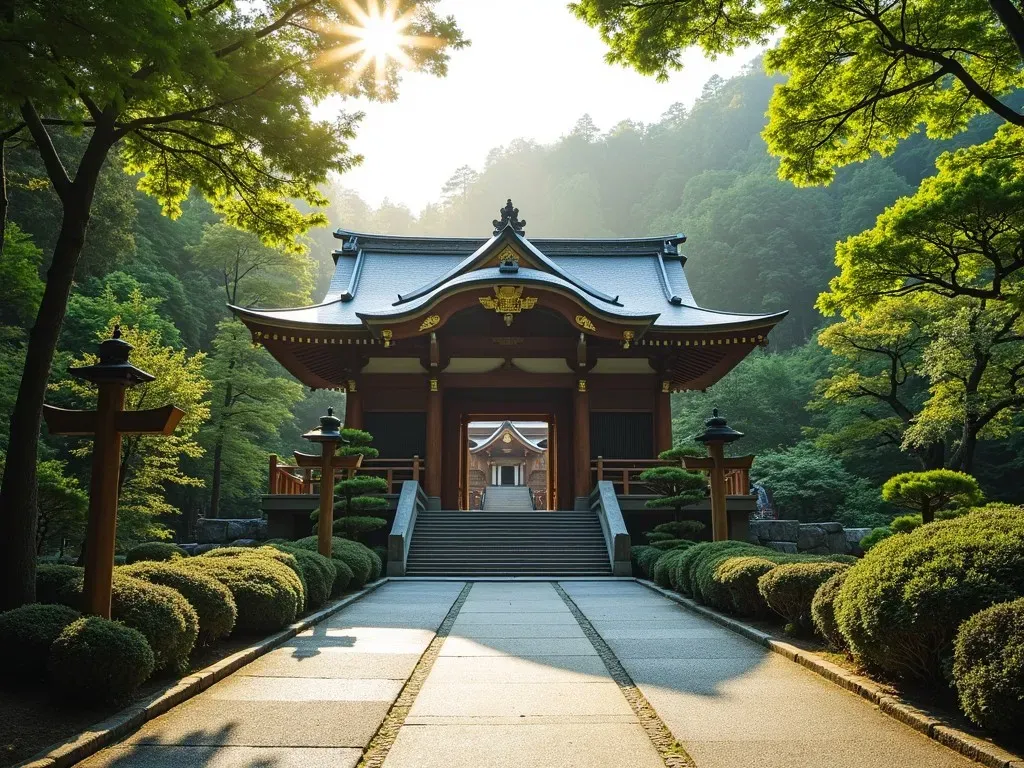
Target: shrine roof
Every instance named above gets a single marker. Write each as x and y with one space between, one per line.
383 276
511 429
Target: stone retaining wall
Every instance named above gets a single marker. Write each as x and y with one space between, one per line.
807 538
217 531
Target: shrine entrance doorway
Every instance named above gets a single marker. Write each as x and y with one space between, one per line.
507 454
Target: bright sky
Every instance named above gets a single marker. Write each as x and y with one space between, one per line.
532 70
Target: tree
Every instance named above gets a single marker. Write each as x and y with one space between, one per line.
356 497
217 97
63 508
861 76
675 487
148 463
926 493
458 185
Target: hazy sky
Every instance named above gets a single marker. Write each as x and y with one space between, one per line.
532 70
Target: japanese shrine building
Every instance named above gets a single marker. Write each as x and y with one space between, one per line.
428 334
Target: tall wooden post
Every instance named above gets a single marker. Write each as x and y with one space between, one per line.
663 417
329 437
715 436
113 374
581 440
719 515
435 443
353 406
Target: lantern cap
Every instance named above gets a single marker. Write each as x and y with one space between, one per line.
716 430
329 431
113 366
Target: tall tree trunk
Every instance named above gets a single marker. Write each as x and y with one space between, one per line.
218 450
927 513
4 200
18 493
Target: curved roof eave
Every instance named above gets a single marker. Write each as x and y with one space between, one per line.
280 317
511 427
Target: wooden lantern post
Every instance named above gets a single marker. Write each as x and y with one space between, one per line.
715 436
329 437
112 375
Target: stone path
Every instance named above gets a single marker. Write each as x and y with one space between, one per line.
517 683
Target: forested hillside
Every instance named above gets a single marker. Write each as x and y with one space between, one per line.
755 244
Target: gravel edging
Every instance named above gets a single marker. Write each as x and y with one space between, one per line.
920 720
130 719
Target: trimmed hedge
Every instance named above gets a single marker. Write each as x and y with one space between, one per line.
988 667
318 572
823 610
156 551
789 589
26 634
661 571
666 544
97 660
738 577
298 583
165 618
901 605
358 557
51 578
210 599
266 592
643 558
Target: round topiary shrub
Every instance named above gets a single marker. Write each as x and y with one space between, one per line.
318 573
661 571
358 557
342 578
377 563
706 587
901 605
156 551
876 535
51 578
266 591
666 544
789 589
643 557
988 667
26 634
738 578
165 618
281 556
210 599
98 661
823 610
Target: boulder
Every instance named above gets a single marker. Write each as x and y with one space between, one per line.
788 547
831 527
811 538
837 543
853 539
211 531
204 548
254 528
774 530
244 543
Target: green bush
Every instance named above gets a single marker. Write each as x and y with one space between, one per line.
789 589
876 535
51 578
661 571
823 610
668 544
643 558
738 577
905 523
901 605
988 667
705 587
297 583
677 529
358 557
266 591
99 661
157 551
343 579
318 573
165 618
210 599
26 634
653 536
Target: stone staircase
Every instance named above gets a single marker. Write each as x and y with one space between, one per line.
512 540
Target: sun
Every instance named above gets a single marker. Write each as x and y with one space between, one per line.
376 37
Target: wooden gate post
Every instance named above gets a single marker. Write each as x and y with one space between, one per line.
715 436
329 437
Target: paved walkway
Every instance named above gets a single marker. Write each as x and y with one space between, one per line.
517 683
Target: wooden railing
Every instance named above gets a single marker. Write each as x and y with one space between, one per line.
290 480
624 474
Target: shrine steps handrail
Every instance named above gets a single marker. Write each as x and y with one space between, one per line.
605 504
411 502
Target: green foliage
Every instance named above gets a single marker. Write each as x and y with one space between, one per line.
987 667
318 573
665 545
905 523
52 578
661 571
789 590
900 606
19 274
653 536
677 529
165 618
63 507
354 500
361 560
823 610
876 535
211 600
676 453
96 660
265 591
926 493
156 551
297 579
357 442
26 634
643 558
734 586
676 487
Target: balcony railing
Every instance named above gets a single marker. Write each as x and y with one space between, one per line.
288 480
624 474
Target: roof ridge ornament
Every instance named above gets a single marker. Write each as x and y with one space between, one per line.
509 218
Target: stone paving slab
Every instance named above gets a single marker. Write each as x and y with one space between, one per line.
708 647
515 630
519 669
513 606
556 745
142 756
517 618
287 662
501 646
451 699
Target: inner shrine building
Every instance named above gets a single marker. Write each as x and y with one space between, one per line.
429 335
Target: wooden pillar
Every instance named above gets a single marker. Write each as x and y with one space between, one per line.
663 418
353 407
434 439
581 440
719 516
101 530
325 523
